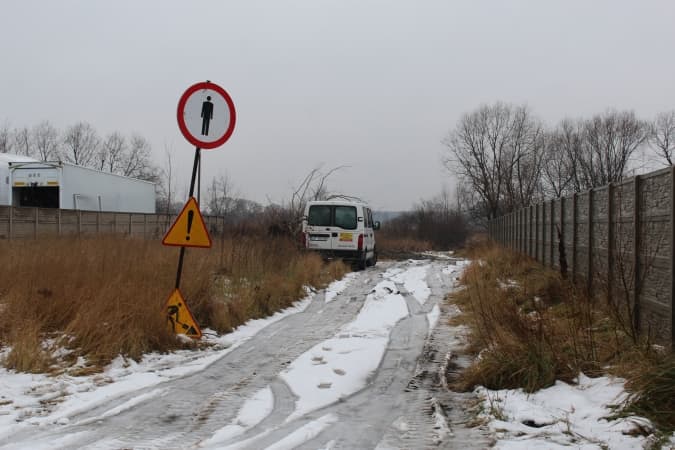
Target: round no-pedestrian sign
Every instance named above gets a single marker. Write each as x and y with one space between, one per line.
206 115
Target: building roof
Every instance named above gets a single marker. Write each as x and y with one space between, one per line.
6 158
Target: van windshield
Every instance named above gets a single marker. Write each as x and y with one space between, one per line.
345 217
319 216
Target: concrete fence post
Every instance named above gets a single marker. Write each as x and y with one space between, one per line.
542 239
523 247
523 227
589 269
610 241
551 232
574 238
512 231
636 253
529 231
672 255
10 223
536 232
562 233
36 223
526 230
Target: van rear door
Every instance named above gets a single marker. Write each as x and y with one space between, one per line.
332 227
319 220
345 223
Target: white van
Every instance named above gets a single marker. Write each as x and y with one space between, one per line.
341 229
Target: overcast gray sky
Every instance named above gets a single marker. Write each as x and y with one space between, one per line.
374 85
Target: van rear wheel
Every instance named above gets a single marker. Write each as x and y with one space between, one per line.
363 261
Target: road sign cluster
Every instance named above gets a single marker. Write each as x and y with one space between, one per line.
206 117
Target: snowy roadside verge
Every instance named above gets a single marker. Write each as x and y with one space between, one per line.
38 400
582 414
563 415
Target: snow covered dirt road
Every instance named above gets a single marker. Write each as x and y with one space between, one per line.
359 367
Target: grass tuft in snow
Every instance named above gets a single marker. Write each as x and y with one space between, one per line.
653 394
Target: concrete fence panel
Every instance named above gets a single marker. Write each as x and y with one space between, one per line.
618 240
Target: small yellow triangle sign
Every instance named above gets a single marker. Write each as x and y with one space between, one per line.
179 318
189 229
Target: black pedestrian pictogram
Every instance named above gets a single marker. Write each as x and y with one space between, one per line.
207 115
173 317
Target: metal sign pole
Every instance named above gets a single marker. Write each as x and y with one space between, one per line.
192 191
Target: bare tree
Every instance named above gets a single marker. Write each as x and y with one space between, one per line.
560 174
662 135
609 141
221 196
46 141
137 162
6 139
498 150
527 147
165 186
111 153
81 144
23 142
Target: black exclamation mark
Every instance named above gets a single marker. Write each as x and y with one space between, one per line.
191 215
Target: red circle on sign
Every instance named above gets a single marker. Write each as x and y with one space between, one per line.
181 115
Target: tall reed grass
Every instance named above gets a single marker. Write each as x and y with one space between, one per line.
531 326
104 296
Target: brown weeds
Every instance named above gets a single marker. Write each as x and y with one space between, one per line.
105 295
531 326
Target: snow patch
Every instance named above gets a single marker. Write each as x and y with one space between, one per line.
561 416
304 433
432 318
251 413
340 366
414 281
337 287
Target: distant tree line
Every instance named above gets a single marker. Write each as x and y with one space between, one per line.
506 158
82 145
438 221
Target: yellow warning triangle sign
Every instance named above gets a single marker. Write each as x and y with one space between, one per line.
189 229
179 318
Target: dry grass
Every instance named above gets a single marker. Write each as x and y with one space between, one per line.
531 327
105 296
389 246
653 393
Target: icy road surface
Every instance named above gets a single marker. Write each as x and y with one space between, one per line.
358 365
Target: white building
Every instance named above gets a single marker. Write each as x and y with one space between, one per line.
28 182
